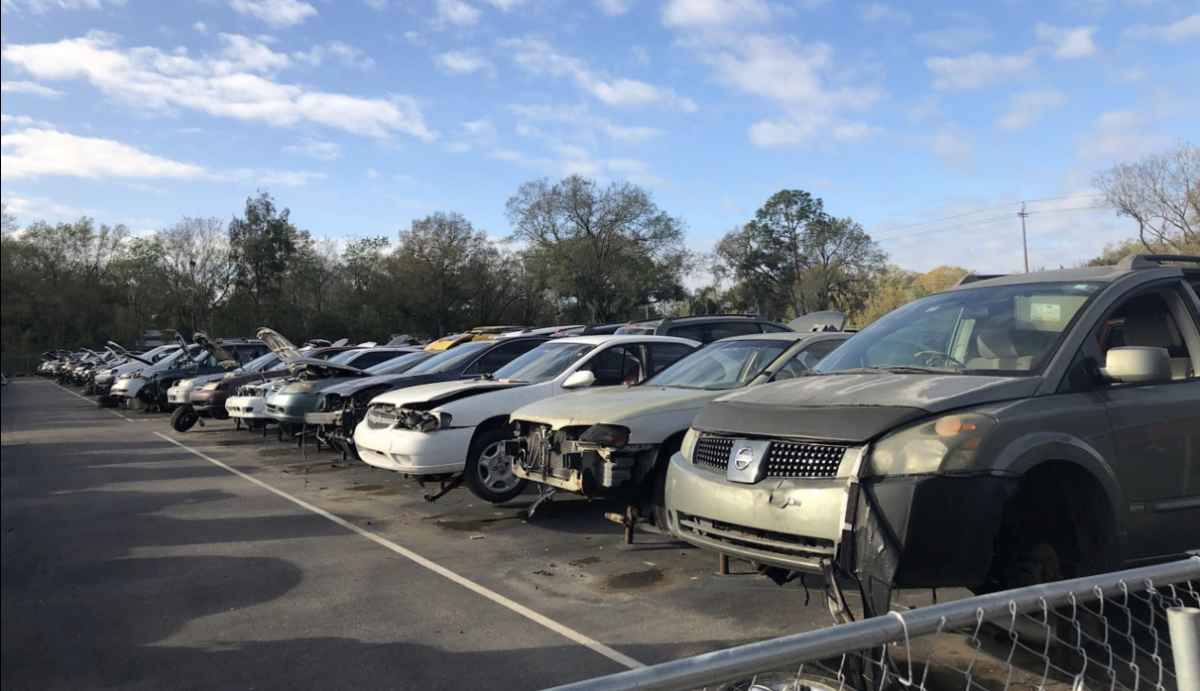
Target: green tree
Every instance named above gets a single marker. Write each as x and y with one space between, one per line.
608 249
262 244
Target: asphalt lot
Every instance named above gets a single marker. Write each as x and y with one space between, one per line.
236 562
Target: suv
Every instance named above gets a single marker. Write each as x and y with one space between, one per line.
1009 431
704 329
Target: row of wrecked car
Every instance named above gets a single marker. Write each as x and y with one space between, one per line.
1008 431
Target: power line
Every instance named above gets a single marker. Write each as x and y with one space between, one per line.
985 209
977 224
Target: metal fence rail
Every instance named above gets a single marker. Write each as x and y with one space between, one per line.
1099 632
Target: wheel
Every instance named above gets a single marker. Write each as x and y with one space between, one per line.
184 418
489 472
656 497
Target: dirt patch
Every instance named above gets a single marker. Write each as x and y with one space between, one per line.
277 452
364 488
633 580
586 561
313 468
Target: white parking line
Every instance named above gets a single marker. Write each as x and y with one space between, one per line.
516 607
80 396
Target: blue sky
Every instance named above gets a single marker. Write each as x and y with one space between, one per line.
361 115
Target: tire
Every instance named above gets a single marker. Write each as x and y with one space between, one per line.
489 473
184 418
656 501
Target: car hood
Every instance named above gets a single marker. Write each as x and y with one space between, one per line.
615 405
852 407
430 396
350 387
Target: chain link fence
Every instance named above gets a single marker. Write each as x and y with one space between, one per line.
1101 632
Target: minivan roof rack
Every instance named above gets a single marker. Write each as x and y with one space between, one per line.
1147 261
973 277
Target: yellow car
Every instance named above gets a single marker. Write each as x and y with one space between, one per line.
479 333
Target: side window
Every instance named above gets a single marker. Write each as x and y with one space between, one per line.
372 357
617 365
696 332
806 359
719 330
1147 319
501 355
663 355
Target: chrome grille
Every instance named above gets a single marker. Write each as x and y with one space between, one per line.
803 459
537 448
712 452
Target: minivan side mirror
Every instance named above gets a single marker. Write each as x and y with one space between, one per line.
1137 365
579 379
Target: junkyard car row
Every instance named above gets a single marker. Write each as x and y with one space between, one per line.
1010 430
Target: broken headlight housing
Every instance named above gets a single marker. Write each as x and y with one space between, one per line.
943 444
330 402
613 436
422 420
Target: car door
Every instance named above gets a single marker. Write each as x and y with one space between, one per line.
1156 426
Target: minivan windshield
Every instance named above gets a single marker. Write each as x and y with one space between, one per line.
722 365
1007 330
544 362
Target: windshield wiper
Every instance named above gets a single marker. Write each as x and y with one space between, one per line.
896 369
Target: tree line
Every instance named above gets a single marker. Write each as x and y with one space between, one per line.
581 251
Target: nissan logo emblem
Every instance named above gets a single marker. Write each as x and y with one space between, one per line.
744 457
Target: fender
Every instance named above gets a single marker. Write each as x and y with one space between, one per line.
1030 451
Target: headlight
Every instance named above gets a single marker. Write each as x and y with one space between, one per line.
212 386
613 436
300 387
422 421
947 443
183 383
689 443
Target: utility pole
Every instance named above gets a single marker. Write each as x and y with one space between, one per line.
1024 243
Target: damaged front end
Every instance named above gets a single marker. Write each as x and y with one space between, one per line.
595 460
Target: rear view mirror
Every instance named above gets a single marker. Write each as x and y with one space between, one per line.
580 379
1137 365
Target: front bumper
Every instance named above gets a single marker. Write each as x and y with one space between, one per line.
127 388
247 407
414 453
925 531
291 408
204 400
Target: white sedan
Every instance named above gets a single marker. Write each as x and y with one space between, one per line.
458 430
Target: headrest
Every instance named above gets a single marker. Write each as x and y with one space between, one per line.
1145 329
995 344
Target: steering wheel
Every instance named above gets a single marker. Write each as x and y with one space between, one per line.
931 358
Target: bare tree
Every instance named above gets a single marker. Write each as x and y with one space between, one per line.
1162 194
196 254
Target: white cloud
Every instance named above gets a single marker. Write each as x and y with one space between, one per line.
954 148
315 148
457 12
506 5
976 69
33 153
579 123
799 78
540 58
23 121
1173 32
342 53
714 14
277 13
1067 43
42 209
43 6
463 62
252 54
614 8
1026 107
1120 135
878 12
150 79
200 28
957 39
19 87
